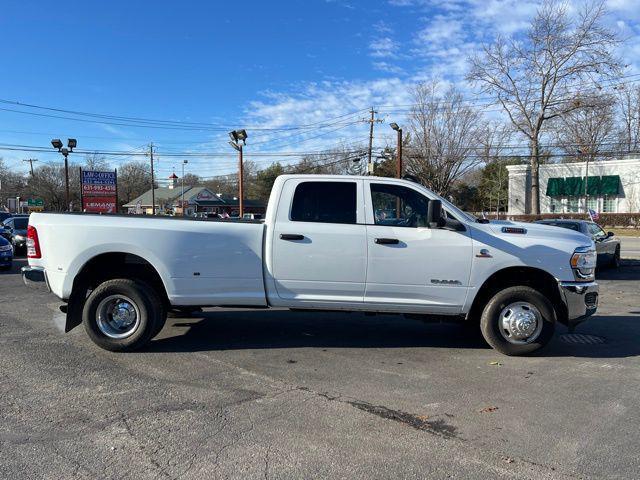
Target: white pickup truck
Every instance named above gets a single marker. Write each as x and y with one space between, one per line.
327 243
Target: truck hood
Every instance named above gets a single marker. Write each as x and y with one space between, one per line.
534 236
530 244
539 231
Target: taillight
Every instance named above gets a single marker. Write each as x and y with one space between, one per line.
33 245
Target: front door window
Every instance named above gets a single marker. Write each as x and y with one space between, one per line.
397 206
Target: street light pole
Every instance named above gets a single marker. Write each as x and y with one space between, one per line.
238 136
398 149
65 151
153 186
184 162
241 182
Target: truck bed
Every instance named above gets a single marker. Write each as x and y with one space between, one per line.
200 261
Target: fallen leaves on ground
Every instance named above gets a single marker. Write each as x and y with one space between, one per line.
488 409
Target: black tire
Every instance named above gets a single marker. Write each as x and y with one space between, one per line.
149 315
490 320
160 325
615 261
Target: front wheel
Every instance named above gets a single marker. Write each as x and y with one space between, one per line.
518 320
122 315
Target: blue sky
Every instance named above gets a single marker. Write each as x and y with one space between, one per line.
271 64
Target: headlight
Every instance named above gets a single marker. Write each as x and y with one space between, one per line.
583 263
5 248
20 238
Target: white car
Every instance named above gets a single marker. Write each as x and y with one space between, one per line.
327 243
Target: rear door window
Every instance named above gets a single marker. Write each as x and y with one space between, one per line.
325 202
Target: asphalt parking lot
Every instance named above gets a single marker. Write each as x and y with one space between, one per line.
277 394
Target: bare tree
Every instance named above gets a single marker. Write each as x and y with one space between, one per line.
533 78
629 109
586 132
12 184
493 141
191 180
341 160
134 179
95 161
444 134
48 183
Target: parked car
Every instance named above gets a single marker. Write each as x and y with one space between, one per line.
4 216
607 245
15 230
6 254
319 248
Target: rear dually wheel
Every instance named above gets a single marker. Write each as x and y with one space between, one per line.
122 314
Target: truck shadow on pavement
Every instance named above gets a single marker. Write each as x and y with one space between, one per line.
280 329
629 270
218 329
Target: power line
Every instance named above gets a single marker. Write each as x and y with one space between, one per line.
147 123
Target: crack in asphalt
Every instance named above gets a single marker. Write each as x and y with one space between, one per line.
438 427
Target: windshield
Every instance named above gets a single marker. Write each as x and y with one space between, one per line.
20 223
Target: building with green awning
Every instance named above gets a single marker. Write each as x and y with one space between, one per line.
606 185
611 186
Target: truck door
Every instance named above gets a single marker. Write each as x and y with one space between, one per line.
319 242
411 266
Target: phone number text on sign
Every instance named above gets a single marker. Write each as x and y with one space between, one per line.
92 189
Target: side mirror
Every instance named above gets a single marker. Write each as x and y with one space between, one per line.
434 214
610 234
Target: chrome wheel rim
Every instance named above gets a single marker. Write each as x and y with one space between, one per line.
117 316
520 323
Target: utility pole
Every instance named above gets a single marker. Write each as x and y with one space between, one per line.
31 160
371 121
153 187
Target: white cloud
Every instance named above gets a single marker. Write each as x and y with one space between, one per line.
388 68
382 27
320 103
383 47
441 29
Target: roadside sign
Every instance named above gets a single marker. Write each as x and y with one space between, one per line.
99 192
35 202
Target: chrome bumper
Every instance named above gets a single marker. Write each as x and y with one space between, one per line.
35 277
581 300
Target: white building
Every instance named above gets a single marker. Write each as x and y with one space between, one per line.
612 186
